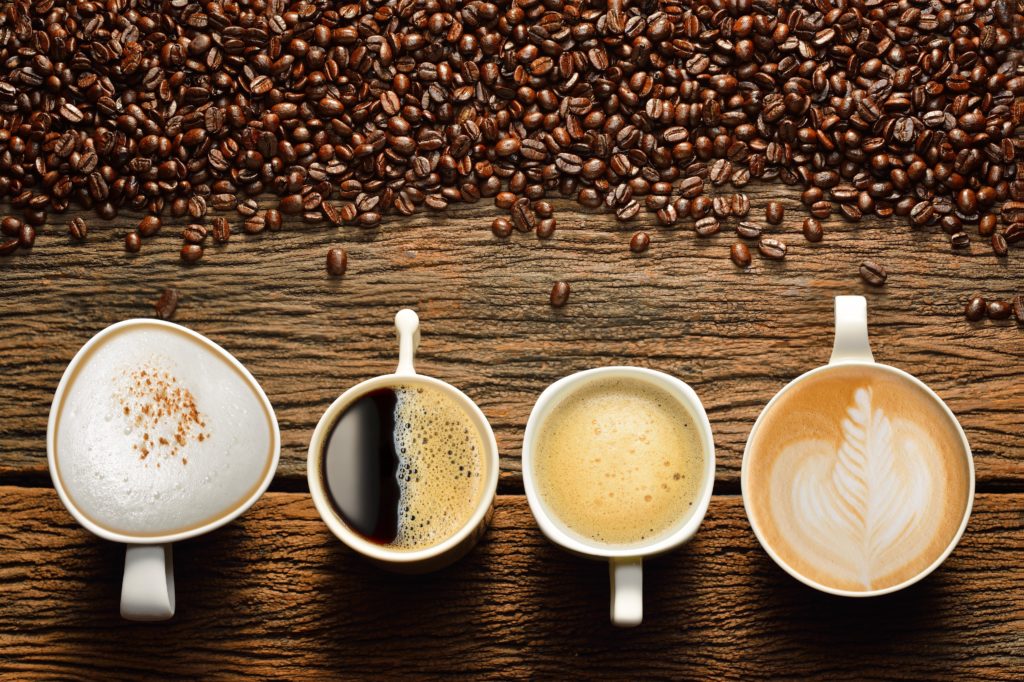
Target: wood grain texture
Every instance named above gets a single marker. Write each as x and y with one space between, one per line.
683 307
275 595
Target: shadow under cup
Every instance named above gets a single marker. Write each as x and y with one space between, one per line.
857 479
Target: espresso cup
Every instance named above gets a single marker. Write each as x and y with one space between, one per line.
857 479
625 558
156 435
337 487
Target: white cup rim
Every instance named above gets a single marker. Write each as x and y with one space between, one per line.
681 392
134 539
745 483
358 543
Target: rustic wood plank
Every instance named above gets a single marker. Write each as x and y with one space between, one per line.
275 595
683 307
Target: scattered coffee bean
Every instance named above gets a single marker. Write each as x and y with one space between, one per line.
774 212
559 294
501 227
999 310
546 228
640 242
8 246
975 308
132 242
999 245
194 234
149 225
220 230
78 228
748 230
167 303
708 226
337 261
960 240
273 219
27 236
813 232
11 226
771 248
873 273
1018 308
190 253
254 224
740 254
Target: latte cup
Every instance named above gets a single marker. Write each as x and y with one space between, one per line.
857 478
625 564
432 556
157 435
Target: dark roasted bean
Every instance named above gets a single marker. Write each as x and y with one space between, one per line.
132 242
813 231
749 230
873 273
337 261
999 310
149 226
740 254
774 212
8 246
545 228
78 228
559 294
1018 308
772 249
639 242
167 303
501 227
975 308
190 253
707 226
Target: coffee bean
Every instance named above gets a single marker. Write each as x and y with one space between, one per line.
770 248
132 242
291 204
721 206
149 226
691 187
740 205
628 211
27 237
11 226
821 210
999 310
1018 308
78 228
873 273
273 219
707 226
501 227
960 240
999 245
749 230
987 224
640 242
545 228
740 254
167 303
774 212
190 253
543 209
813 231
976 308
560 294
523 217
8 246
337 261
220 229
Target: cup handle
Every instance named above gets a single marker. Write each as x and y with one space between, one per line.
407 324
147 592
851 342
627 582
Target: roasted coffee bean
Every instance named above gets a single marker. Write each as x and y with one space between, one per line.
813 232
640 242
545 228
628 211
220 230
543 209
999 245
740 205
1018 308
8 246
850 212
523 217
700 207
740 254
274 220
501 227
707 226
960 240
11 226
999 310
873 273
149 226
559 294
774 212
337 261
132 242
291 204
976 308
190 253
770 248
691 187
167 303
749 230
821 210
987 224
78 228
26 236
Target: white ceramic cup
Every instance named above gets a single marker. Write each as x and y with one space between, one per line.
851 347
428 558
147 589
625 565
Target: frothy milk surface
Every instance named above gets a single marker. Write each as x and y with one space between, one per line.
619 462
857 478
157 433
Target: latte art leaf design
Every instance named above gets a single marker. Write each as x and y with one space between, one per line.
864 505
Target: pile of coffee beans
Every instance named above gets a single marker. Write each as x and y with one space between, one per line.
351 112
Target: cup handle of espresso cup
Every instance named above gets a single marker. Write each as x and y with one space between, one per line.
851 343
627 582
147 592
407 324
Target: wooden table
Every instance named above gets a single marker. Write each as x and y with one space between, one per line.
274 594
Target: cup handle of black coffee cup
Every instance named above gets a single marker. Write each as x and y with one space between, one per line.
407 324
851 342
147 591
627 583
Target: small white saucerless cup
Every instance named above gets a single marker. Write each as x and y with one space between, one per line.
625 565
456 546
147 590
852 349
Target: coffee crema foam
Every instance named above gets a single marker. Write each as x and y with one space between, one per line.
619 462
157 433
440 467
857 479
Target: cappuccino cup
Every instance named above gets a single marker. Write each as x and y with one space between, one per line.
156 435
618 465
857 479
403 468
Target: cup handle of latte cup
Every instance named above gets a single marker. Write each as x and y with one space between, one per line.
851 343
627 582
407 324
147 592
